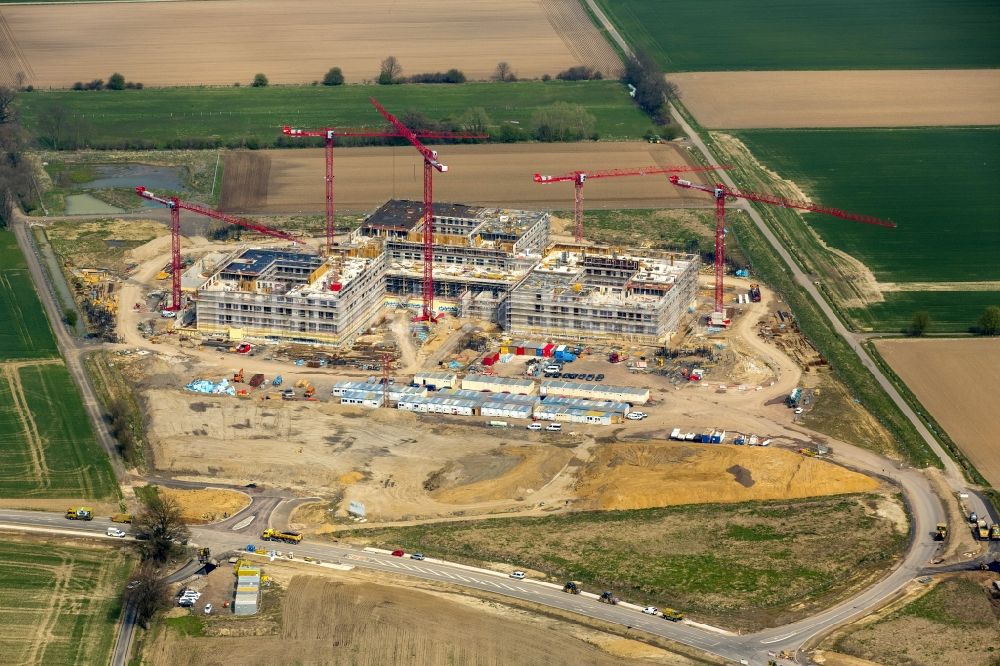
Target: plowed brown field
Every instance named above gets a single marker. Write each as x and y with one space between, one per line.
918 98
958 381
291 181
293 41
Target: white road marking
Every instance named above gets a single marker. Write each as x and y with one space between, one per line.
779 638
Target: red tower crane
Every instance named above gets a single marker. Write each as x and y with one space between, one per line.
328 134
720 192
580 177
176 205
430 164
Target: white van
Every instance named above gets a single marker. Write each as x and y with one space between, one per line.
554 427
115 532
552 368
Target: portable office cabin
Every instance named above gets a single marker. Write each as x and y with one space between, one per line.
592 391
362 398
438 379
507 410
498 384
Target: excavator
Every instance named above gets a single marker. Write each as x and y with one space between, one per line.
571 588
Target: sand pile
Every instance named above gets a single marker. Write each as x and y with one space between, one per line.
639 476
206 505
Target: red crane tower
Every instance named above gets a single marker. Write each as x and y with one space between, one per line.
580 177
720 192
328 134
430 164
176 205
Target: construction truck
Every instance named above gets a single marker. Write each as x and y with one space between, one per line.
278 535
942 532
122 518
204 555
608 598
238 377
571 587
256 380
672 615
754 293
982 529
995 532
80 513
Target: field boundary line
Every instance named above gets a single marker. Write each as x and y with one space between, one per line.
33 438
44 633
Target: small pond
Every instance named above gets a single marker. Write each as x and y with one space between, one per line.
85 204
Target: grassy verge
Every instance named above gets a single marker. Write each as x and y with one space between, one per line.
252 117
742 565
119 403
955 622
186 625
844 362
72 592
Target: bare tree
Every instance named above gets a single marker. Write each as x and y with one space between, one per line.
53 123
160 528
147 592
7 96
504 72
390 71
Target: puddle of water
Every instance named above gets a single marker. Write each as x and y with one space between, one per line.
84 204
133 175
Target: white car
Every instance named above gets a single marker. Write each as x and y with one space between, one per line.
799 410
208 609
535 426
554 427
635 416
517 574
115 532
651 610
168 314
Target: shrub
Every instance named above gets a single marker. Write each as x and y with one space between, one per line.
334 77
115 82
563 122
579 73
259 81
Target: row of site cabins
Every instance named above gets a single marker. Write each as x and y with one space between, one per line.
716 437
499 397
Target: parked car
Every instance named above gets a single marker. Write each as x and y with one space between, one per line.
417 556
554 427
398 553
288 393
636 416
599 377
556 375
589 377
799 410
651 610
208 609
517 574
535 426
168 314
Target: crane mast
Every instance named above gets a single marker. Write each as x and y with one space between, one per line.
720 193
580 177
175 206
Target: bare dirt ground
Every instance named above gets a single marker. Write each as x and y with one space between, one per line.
958 382
207 505
953 620
295 41
915 98
494 175
641 476
347 618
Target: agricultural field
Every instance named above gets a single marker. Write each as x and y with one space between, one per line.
291 181
953 623
888 98
725 35
24 330
47 444
957 381
163 117
295 41
59 601
357 619
936 184
742 565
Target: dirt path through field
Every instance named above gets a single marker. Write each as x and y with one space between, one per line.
43 637
293 41
486 174
896 98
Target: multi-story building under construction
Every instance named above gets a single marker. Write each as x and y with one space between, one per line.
489 264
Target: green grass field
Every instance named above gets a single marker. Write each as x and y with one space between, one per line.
59 603
24 330
743 565
159 115
715 35
937 184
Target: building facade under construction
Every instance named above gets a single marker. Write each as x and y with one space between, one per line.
489 264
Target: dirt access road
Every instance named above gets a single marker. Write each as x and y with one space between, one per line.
292 181
293 41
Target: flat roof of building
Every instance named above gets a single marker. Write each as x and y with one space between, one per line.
403 214
556 384
500 381
255 260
